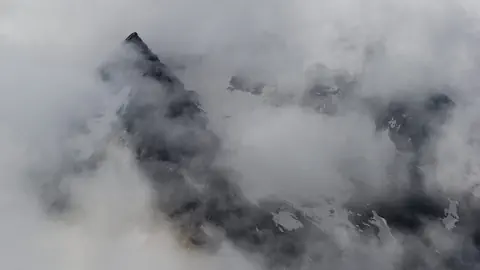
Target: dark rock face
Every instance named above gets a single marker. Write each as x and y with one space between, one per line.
325 88
168 136
407 214
240 83
169 127
411 124
151 66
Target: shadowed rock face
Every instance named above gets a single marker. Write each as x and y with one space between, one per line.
412 125
169 136
240 83
151 66
170 127
325 88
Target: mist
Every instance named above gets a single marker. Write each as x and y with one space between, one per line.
54 110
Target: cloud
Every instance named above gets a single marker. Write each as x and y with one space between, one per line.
51 51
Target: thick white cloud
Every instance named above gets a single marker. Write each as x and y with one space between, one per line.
51 49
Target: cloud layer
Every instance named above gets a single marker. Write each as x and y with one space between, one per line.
49 86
